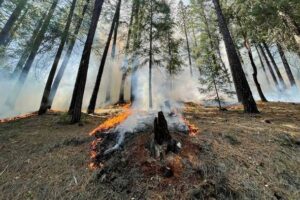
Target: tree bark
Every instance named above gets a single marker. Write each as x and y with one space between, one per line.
269 65
286 65
77 98
239 77
93 100
65 62
36 44
45 98
5 32
274 64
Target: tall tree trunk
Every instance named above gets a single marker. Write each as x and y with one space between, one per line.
113 55
45 98
1 1
286 65
93 100
269 65
36 44
150 55
274 64
5 32
260 92
65 62
188 46
77 98
239 77
125 70
262 64
27 49
15 28
217 93
134 61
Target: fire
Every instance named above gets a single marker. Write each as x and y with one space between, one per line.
193 130
114 121
6 120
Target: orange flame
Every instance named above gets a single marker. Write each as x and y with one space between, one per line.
193 130
114 121
6 120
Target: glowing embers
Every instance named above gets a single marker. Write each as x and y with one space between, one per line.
193 130
114 121
6 120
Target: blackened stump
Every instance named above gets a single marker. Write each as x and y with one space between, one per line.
161 131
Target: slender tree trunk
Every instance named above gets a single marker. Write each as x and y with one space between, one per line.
93 100
45 98
125 70
239 77
5 32
286 65
262 64
27 49
260 92
188 47
77 98
113 55
15 28
269 65
65 62
36 44
150 55
217 93
137 36
274 64
1 1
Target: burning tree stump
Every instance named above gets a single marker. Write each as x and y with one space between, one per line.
161 131
161 137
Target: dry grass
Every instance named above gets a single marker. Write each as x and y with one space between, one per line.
234 156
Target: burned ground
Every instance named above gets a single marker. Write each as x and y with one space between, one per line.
233 156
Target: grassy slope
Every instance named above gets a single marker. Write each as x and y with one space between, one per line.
233 155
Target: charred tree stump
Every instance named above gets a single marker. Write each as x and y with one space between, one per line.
161 131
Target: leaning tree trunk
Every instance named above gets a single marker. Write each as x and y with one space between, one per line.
65 62
262 64
239 77
45 98
269 65
286 65
248 47
274 64
27 49
93 100
5 32
77 97
15 28
36 44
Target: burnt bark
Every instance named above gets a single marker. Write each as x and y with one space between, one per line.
77 98
269 65
274 64
45 99
93 99
65 62
5 32
36 44
161 131
239 78
286 65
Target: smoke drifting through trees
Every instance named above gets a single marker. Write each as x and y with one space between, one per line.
148 35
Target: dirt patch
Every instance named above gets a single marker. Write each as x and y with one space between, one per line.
232 156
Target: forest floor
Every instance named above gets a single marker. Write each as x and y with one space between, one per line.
233 156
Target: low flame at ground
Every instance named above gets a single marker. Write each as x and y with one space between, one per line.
114 121
193 129
6 120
